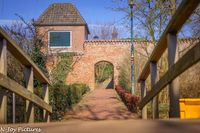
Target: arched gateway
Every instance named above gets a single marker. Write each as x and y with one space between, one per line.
113 51
104 75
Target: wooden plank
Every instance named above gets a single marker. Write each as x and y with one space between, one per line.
185 62
19 54
174 110
29 80
46 99
153 69
13 86
13 107
3 70
181 15
3 56
143 94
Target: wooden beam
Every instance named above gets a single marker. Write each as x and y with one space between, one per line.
185 62
174 110
30 87
20 55
3 70
46 99
18 89
181 15
143 94
153 69
3 56
14 107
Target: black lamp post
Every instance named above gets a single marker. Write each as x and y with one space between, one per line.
131 4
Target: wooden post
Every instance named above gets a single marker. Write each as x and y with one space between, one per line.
153 69
143 94
29 85
3 70
46 99
174 109
14 109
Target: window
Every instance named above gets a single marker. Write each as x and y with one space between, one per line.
59 39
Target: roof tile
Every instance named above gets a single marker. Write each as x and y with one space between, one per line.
61 14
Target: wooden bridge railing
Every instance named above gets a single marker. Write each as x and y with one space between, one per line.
168 41
31 71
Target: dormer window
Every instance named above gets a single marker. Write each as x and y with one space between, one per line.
60 39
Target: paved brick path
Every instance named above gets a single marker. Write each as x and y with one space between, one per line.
100 104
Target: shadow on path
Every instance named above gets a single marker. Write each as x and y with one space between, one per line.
100 104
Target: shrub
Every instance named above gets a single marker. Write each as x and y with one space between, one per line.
63 97
129 100
78 90
125 73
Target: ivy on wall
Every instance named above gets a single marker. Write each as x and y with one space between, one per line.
61 70
38 57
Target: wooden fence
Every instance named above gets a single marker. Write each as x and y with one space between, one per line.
31 71
168 40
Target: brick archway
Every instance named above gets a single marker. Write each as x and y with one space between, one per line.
113 72
113 51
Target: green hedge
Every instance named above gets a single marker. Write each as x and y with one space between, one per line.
63 97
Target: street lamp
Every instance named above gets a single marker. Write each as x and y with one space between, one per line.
131 4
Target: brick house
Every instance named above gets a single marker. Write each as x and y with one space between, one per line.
63 28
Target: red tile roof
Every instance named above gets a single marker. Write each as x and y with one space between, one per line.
61 14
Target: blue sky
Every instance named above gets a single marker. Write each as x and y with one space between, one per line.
90 9
94 11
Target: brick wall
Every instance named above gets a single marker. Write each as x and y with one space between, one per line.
94 52
113 51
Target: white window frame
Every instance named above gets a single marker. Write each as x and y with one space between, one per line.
59 46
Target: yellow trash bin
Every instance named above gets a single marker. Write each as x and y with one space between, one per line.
190 108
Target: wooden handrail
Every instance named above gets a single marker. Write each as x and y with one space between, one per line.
168 40
27 92
185 62
181 15
13 86
20 55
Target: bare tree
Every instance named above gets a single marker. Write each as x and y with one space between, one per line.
104 31
114 33
195 23
151 18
